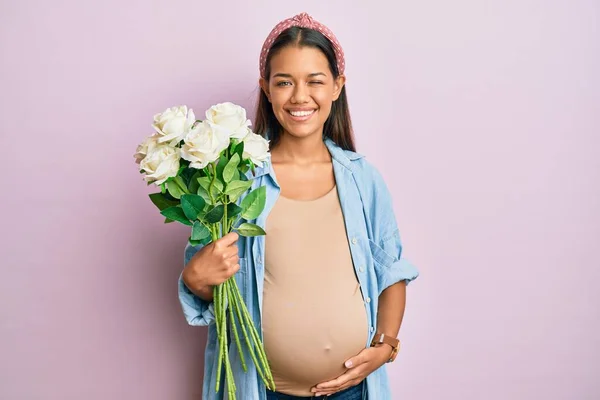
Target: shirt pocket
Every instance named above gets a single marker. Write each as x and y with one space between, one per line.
380 257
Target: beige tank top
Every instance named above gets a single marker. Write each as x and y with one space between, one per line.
314 317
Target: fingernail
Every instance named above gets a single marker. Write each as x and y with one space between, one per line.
348 364
318 394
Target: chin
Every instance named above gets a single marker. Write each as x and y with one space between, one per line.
300 133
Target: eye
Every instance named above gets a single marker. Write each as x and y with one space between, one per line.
316 82
283 83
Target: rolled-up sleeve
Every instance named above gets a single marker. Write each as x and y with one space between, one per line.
197 312
390 266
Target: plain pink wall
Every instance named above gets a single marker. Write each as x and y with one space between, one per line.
483 117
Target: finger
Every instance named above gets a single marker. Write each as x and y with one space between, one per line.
234 259
233 270
229 252
227 240
353 362
326 392
320 391
333 384
348 385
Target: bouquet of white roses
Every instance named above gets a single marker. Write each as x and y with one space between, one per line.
200 167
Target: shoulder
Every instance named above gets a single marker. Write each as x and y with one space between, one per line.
366 174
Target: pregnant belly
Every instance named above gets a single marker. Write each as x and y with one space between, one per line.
308 341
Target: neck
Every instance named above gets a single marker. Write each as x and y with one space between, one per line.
305 150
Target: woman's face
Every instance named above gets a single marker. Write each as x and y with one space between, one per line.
301 89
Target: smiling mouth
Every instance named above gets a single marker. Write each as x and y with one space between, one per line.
301 114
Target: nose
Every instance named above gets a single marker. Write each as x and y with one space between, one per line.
300 94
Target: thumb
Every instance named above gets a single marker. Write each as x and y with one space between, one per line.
353 361
228 239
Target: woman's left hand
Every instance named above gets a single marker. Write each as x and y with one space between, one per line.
359 367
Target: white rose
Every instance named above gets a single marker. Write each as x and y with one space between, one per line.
173 124
204 145
230 118
146 146
161 163
256 148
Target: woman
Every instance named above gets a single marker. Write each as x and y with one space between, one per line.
326 286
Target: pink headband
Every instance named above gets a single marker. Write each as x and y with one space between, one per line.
302 20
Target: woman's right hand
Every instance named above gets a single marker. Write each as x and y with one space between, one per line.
212 265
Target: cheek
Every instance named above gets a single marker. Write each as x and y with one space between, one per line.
278 99
324 103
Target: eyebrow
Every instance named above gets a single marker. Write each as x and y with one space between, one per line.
282 75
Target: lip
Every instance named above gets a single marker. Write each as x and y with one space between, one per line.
300 119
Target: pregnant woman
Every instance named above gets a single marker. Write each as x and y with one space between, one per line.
326 286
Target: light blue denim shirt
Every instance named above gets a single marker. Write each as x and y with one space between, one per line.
376 254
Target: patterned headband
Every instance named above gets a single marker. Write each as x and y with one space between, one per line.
302 20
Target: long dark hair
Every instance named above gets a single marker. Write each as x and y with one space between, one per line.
338 126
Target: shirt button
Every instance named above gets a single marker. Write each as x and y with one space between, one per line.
354 241
259 259
368 299
372 329
361 269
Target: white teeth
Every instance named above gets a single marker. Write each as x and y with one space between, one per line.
301 113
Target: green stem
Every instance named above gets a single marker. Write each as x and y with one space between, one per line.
212 182
261 350
232 306
218 303
249 342
256 340
224 221
225 359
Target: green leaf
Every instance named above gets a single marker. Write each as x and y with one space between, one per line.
185 171
254 203
193 183
223 160
168 221
174 189
233 210
192 205
248 229
240 150
176 214
233 145
204 194
236 188
217 186
194 242
199 231
179 181
215 214
231 168
161 201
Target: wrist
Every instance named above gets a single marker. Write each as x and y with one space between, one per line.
385 350
391 343
206 293
197 286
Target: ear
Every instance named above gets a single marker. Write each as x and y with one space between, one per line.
264 85
338 85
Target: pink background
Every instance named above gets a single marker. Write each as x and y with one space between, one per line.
484 117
